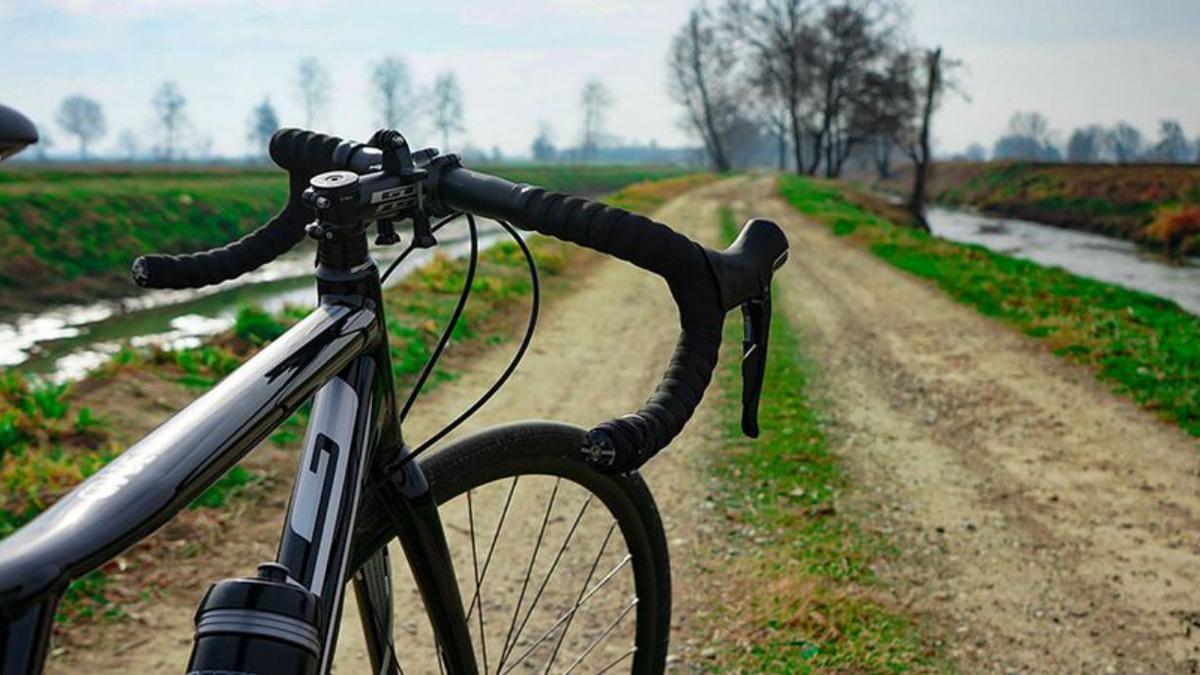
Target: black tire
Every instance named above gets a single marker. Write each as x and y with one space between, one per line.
549 449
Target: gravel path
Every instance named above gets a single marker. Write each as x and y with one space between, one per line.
1048 524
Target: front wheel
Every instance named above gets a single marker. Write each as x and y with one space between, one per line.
561 569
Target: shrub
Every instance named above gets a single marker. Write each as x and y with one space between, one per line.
255 325
1174 225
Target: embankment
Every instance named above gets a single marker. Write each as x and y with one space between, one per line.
68 235
1117 201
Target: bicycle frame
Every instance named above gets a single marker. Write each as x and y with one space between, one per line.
353 450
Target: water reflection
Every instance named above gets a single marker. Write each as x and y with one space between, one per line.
1091 255
66 342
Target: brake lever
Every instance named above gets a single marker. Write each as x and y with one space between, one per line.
756 326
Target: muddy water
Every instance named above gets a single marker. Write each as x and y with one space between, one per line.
1090 255
64 343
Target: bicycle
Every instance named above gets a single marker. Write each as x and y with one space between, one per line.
359 486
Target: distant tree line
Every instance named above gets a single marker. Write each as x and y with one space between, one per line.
823 81
399 103
1029 137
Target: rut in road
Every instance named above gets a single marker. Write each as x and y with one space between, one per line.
599 351
1048 524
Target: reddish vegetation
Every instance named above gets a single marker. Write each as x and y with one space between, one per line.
1174 226
1119 201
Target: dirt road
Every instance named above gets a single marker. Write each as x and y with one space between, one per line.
599 351
1047 524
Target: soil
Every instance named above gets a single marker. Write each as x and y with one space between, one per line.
1045 523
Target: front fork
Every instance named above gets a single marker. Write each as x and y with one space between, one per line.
414 517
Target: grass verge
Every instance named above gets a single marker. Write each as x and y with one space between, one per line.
806 598
1144 346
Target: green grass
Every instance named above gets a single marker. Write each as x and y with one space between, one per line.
813 605
65 235
1146 347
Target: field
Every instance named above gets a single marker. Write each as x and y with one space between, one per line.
1118 201
70 235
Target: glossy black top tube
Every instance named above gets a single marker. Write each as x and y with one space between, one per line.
156 478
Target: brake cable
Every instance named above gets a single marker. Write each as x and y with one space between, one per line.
412 246
454 317
512 363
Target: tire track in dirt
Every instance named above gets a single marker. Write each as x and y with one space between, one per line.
1047 524
598 352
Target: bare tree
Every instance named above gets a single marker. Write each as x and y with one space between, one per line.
44 143
883 112
850 41
127 143
542 148
1125 141
312 85
776 118
169 113
1028 138
976 153
263 124
1172 145
934 68
595 99
446 100
393 88
83 118
702 80
774 33
1086 144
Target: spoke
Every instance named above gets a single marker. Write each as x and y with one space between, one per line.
491 549
567 616
481 574
595 563
611 627
509 643
553 565
619 659
478 580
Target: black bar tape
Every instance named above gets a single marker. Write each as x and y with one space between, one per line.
309 153
195 270
303 154
624 443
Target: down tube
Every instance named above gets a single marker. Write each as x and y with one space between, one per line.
150 482
316 538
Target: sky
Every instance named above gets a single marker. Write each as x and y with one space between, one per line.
523 61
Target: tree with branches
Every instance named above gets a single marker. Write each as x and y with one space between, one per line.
312 87
447 103
703 80
595 99
263 124
83 118
169 114
393 89
773 36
